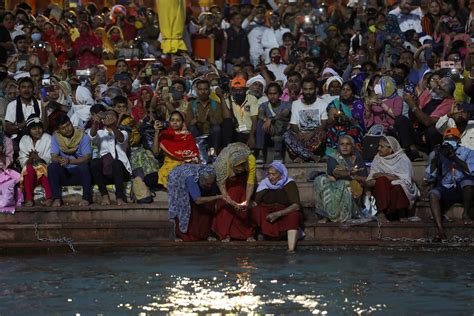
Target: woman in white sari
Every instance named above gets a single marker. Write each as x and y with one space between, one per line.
391 180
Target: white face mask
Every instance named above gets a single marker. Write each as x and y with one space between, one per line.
378 89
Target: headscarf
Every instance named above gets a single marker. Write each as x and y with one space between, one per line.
117 10
69 146
231 156
109 46
389 87
397 164
329 70
254 79
180 145
179 205
265 184
332 79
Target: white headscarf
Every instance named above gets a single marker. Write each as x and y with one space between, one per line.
332 79
257 78
397 164
80 113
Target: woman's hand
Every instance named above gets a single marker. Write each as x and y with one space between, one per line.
272 217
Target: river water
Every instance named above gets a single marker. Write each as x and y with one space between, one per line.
183 281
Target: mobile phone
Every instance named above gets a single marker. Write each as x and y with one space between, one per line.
83 73
46 82
447 64
122 76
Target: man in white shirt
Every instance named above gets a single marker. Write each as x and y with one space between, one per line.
408 16
113 165
459 118
306 138
255 25
20 109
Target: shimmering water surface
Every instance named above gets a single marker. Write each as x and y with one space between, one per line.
203 281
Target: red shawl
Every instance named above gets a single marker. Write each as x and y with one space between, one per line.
179 145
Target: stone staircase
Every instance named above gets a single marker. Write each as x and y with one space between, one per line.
147 224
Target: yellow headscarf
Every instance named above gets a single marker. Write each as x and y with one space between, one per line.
108 45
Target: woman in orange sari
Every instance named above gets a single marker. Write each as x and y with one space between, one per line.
176 143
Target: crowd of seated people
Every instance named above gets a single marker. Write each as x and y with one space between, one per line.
290 82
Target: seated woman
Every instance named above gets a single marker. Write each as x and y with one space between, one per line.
391 180
386 106
278 205
337 193
192 194
345 117
177 145
235 175
34 157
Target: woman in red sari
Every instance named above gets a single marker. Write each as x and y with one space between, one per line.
145 95
235 176
278 205
176 143
87 47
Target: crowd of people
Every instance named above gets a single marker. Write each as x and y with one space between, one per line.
366 86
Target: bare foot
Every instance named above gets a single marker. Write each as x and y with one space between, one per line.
29 204
178 240
47 203
227 239
250 239
56 203
84 203
468 221
211 239
121 202
105 200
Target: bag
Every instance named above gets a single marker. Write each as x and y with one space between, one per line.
370 143
370 208
10 193
141 194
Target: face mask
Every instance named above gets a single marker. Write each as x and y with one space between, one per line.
36 37
239 97
398 79
378 89
452 143
276 59
115 38
176 95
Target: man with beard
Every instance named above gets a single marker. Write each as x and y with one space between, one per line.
460 117
419 132
306 138
209 117
451 167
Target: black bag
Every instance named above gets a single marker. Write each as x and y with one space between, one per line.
370 143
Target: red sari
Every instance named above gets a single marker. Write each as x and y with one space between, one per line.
87 58
200 222
179 145
290 221
230 222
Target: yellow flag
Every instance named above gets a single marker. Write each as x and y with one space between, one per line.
172 15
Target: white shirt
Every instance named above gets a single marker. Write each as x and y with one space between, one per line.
28 109
410 21
42 146
308 117
278 71
105 140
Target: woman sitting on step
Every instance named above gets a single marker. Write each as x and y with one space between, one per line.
192 195
177 144
391 180
34 156
337 194
278 205
235 175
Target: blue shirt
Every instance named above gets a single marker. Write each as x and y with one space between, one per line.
83 149
448 179
195 191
